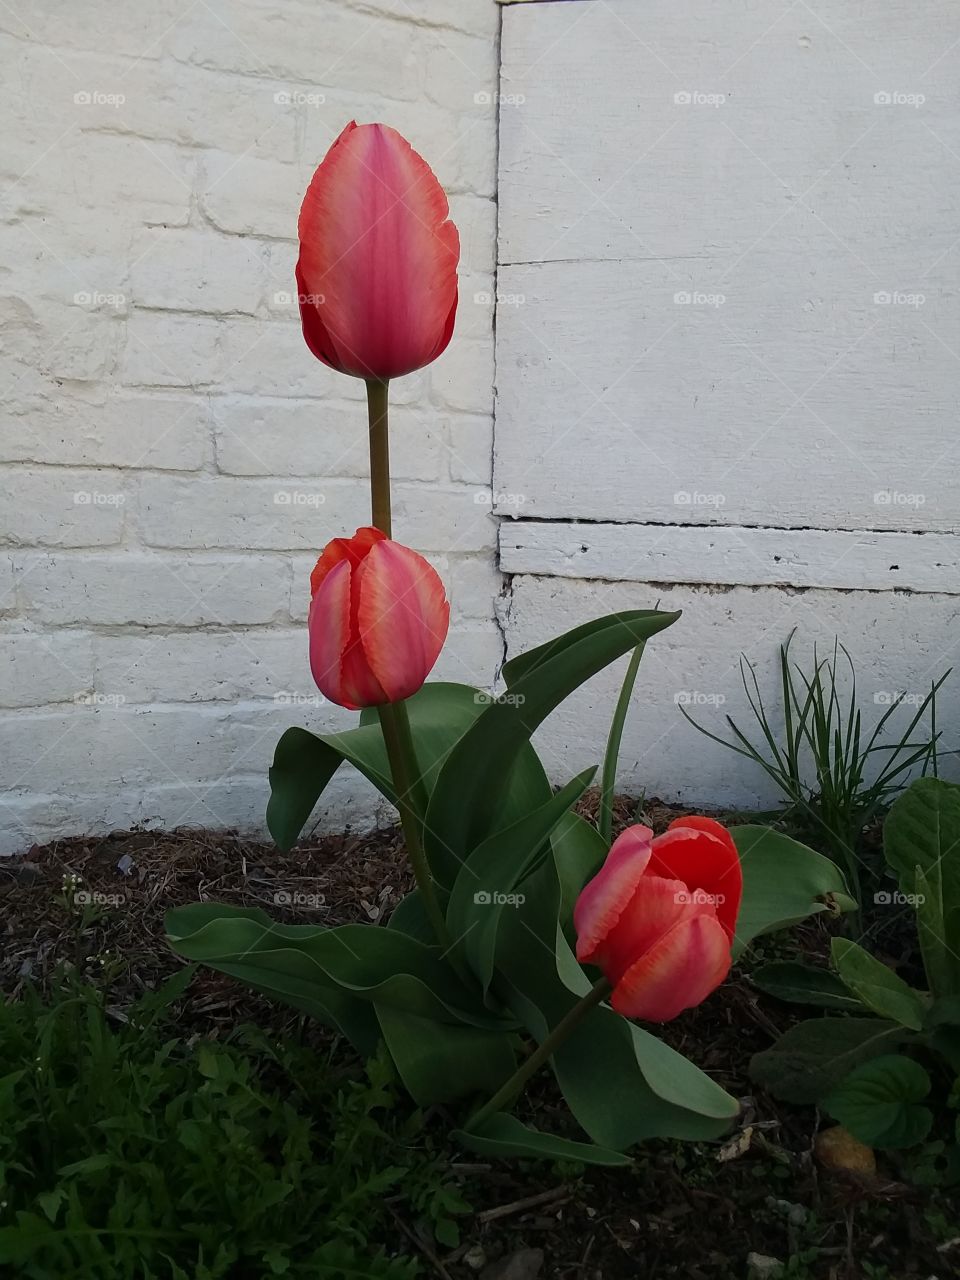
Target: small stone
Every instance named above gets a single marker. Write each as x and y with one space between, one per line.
125 865
836 1148
762 1267
523 1265
475 1257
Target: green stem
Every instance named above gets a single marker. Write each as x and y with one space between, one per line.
379 456
608 778
508 1092
394 720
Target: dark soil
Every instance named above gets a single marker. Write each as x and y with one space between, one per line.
683 1210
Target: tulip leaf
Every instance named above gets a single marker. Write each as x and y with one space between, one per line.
505 1137
876 985
880 1102
784 882
384 966
922 831
805 984
472 782
410 917
487 881
815 1056
440 1063
440 714
579 852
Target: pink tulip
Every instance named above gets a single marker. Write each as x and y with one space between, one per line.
378 619
377 275
658 919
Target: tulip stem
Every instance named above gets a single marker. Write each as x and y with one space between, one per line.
399 742
394 720
509 1092
379 455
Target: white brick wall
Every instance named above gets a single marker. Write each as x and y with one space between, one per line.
171 455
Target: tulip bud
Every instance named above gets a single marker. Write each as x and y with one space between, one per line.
378 619
659 917
377 274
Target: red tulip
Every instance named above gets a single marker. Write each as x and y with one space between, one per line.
658 918
378 620
377 275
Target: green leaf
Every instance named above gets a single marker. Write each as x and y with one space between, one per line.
579 852
784 882
441 1063
492 872
306 962
813 1057
879 1102
939 962
804 984
440 714
504 1136
922 830
877 986
472 782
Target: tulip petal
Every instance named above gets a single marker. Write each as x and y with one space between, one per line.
329 630
353 549
704 858
604 898
377 272
677 973
403 617
655 906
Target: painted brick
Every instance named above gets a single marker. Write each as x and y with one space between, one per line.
39 667
61 508
199 271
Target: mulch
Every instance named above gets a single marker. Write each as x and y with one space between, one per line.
696 1211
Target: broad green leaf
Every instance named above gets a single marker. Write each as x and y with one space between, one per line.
441 1063
472 782
922 830
504 1136
784 882
880 1102
384 966
877 986
942 966
410 917
579 852
804 984
440 714
491 874
815 1056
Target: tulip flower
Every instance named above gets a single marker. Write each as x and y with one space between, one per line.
377 274
378 619
658 919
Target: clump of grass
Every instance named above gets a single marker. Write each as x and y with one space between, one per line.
835 777
127 1153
